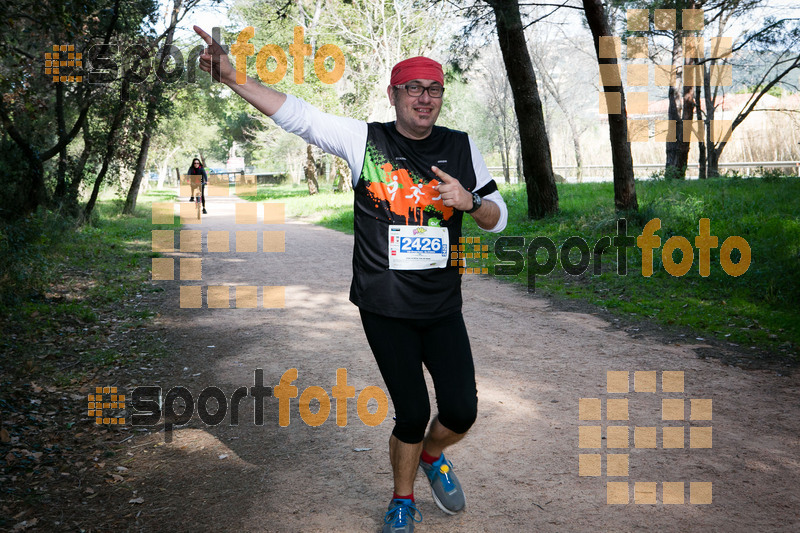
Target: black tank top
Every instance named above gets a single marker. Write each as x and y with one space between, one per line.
395 188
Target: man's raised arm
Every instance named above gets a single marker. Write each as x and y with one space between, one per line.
263 98
340 136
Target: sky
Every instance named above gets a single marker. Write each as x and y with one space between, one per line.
207 15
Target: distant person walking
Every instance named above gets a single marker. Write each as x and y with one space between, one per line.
200 181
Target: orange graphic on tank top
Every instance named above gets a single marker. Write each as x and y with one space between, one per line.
406 198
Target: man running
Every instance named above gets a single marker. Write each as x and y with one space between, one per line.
413 182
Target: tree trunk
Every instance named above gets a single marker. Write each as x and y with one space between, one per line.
536 160
310 170
77 172
712 162
675 111
156 93
714 151
36 193
624 184
343 174
111 144
141 159
504 160
506 142
576 142
687 115
319 163
702 172
163 169
691 98
701 148
61 167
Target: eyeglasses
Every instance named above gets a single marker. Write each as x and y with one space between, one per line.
196 162
434 91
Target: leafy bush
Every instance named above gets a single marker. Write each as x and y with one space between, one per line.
668 173
773 174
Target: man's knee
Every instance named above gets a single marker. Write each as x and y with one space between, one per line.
459 418
411 428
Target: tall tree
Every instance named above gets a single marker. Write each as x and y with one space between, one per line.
777 49
668 22
31 97
535 147
682 92
484 106
624 184
685 94
544 56
158 95
122 110
372 34
36 96
501 111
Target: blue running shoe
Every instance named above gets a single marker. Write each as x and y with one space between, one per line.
445 487
401 516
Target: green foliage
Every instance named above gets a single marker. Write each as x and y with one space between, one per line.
16 178
669 173
329 208
733 174
32 105
370 35
772 174
776 90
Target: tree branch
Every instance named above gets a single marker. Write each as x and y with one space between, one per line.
67 138
557 7
753 100
752 37
579 8
15 134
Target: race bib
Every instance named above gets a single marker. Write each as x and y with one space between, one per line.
418 247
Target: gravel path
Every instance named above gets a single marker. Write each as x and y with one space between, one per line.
520 463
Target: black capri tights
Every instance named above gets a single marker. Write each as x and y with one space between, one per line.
401 346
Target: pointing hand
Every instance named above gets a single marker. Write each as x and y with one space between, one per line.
453 194
214 59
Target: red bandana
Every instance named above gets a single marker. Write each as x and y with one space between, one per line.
417 68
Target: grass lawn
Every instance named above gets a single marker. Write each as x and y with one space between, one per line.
330 209
758 308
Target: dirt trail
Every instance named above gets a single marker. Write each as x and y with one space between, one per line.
519 465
